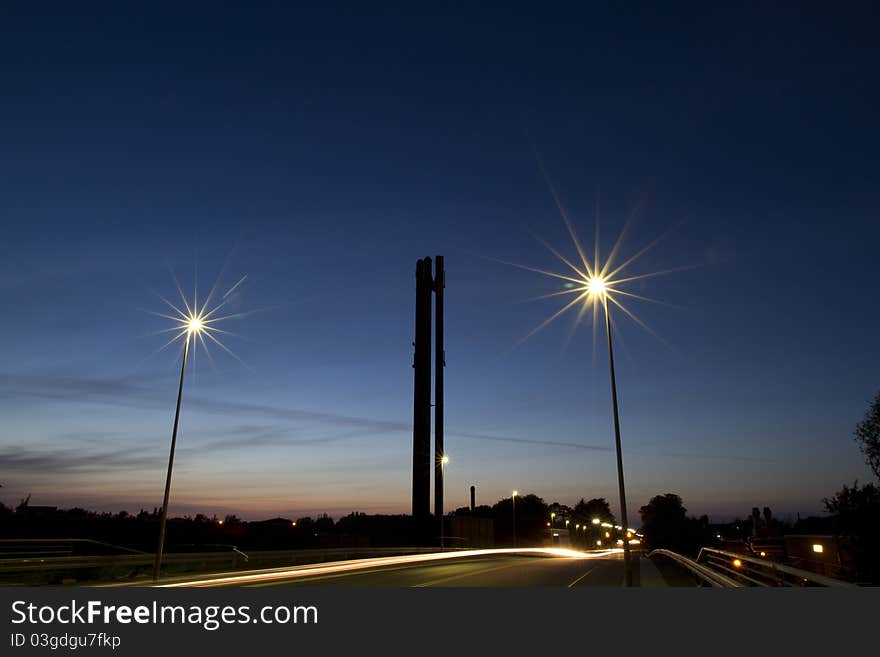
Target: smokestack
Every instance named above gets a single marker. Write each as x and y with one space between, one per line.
439 364
473 498
421 484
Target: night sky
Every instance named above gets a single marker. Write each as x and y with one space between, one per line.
322 151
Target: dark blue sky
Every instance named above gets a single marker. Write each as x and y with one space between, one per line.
321 151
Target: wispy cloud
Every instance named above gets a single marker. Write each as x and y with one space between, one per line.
22 459
125 392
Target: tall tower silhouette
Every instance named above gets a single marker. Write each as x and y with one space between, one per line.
428 286
439 364
421 473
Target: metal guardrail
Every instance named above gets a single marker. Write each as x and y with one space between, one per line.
755 571
134 567
11 548
703 573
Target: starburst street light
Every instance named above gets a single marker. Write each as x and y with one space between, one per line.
191 323
599 284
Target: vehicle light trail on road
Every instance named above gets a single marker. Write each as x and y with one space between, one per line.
295 572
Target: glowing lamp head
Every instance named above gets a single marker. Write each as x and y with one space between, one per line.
194 325
444 460
596 286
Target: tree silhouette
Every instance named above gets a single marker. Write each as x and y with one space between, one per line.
597 507
867 435
856 514
531 516
665 523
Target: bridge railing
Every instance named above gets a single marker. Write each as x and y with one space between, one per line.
704 575
748 570
138 567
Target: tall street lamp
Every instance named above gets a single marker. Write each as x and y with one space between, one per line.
590 284
193 323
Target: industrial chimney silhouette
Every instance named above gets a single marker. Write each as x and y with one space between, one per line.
427 285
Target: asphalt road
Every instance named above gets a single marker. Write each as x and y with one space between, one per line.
496 571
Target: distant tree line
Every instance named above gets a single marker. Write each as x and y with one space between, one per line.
203 533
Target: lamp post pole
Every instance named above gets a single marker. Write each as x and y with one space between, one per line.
158 561
627 560
443 461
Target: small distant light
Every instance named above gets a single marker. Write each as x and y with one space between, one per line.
717 535
737 563
607 534
293 524
629 535
548 524
817 547
555 535
620 541
219 522
763 554
599 543
444 460
635 541
515 493
596 521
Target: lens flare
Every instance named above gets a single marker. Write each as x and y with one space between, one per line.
594 282
199 322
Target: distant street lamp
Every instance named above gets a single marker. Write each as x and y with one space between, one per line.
443 461
513 501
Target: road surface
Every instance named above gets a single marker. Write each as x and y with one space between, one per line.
486 570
